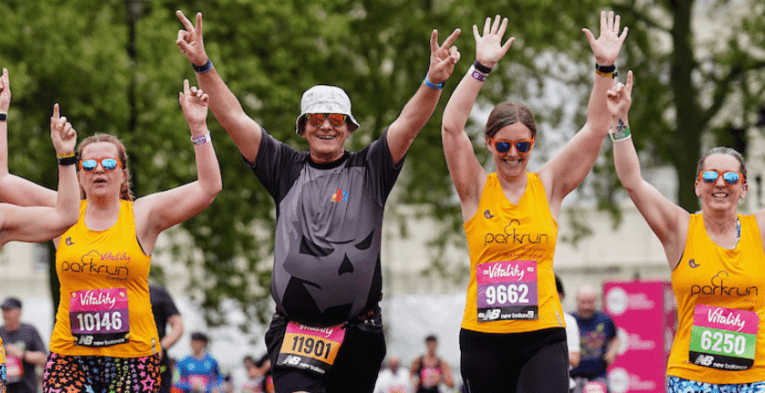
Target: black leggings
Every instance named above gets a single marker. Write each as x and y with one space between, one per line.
515 362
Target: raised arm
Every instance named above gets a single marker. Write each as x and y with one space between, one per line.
14 189
40 223
242 129
418 110
467 173
159 211
566 170
668 221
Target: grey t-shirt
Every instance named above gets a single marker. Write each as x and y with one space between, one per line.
328 228
25 337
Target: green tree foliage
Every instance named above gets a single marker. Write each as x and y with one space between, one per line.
699 73
114 67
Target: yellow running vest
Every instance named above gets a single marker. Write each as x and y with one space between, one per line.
105 308
720 309
512 285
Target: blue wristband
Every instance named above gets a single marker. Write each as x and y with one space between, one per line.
434 86
203 68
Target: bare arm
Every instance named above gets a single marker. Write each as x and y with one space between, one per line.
448 375
418 110
467 173
159 211
14 189
613 350
242 129
37 358
668 221
43 223
175 333
564 172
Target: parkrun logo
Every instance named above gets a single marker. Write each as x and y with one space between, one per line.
721 289
512 236
87 265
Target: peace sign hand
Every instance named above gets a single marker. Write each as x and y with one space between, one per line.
607 47
190 40
442 58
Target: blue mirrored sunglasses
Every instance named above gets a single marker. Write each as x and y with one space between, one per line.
503 145
108 163
710 177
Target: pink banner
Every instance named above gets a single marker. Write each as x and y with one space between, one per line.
642 313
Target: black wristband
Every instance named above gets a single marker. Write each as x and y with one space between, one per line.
203 68
482 68
3 116
71 160
605 69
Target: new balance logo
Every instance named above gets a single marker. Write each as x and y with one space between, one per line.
705 360
291 360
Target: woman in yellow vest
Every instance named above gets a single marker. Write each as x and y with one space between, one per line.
37 224
717 262
513 335
105 338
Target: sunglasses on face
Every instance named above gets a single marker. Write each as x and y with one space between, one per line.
335 119
503 146
710 177
108 163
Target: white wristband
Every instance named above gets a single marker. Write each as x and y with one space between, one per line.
622 135
198 140
477 75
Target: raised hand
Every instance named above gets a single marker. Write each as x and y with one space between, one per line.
195 104
5 91
606 48
442 58
62 133
190 40
489 48
620 98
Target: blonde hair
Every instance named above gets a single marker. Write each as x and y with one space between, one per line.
125 192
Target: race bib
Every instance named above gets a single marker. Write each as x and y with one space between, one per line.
310 348
507 290
723 338
14 369
99 317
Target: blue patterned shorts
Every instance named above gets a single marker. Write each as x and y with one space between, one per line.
679 385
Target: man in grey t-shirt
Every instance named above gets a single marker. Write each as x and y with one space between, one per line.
24 349
329 205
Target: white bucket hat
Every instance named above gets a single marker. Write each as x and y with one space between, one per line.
326 99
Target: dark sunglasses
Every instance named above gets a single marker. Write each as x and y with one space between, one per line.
335 119
710 177
503 146
108 163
